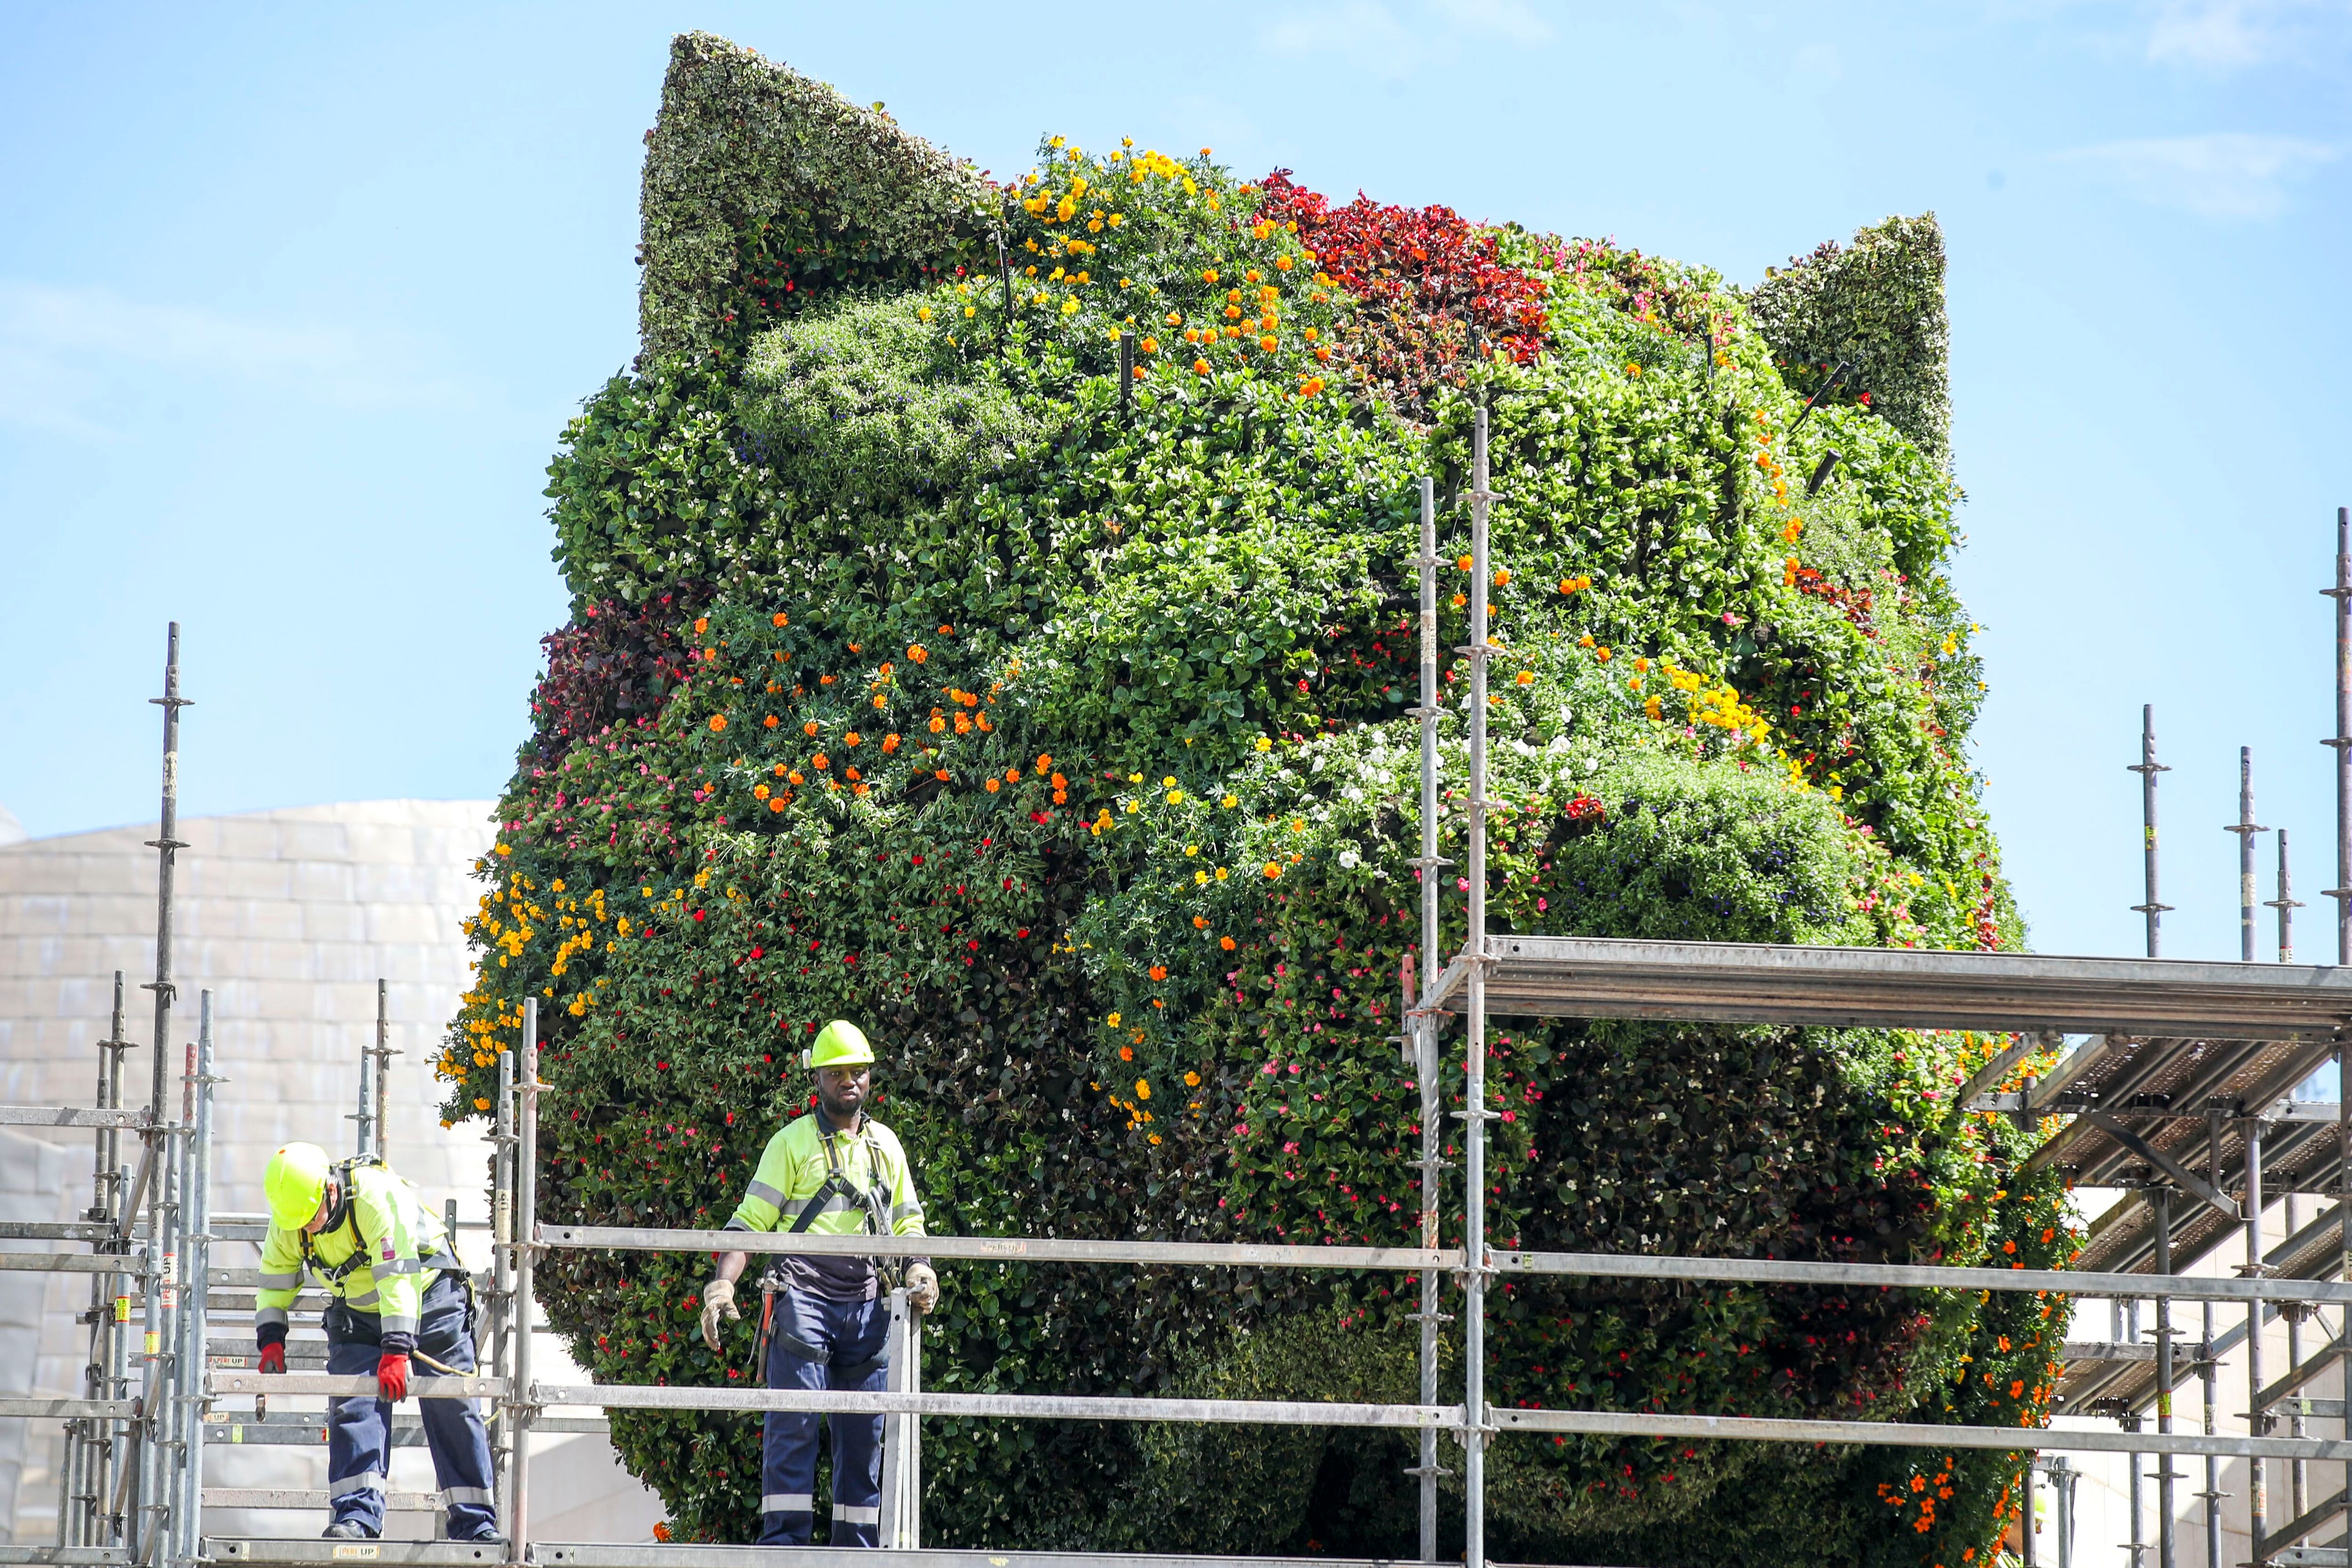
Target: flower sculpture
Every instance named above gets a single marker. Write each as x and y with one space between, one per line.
994 620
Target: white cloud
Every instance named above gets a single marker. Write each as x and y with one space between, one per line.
2228 35
67 353
1372 38
2230 175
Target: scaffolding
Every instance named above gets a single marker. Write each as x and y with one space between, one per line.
2184 1092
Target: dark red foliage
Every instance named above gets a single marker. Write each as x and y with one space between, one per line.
1427 276
612 666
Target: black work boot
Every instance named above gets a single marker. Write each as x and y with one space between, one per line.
347 1530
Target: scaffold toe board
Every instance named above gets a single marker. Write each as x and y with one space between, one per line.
435 1553
1737 983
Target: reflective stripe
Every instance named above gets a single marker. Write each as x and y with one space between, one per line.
399 1266
362 1303
835 1202
370 1482
399 1325
265 1315
736 1224
788 1503
849 1515
467 1494
903 1210
765 1193
281 1281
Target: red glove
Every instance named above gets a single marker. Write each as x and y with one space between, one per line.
273 1357
392 1378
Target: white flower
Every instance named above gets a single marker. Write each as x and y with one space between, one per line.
1352 793
1350 859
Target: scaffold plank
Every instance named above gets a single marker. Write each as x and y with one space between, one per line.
1735 982
91 1556
1047 1406
1915 1276
70 1263
1916 1435
993 1248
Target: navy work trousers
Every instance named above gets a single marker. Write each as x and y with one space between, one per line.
359 1431
840 1345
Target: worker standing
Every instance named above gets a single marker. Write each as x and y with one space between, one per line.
834 1172
397 1291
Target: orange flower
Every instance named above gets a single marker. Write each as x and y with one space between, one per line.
796 776
824 680
809 728
821 761
852 738
1226 943
718 722
919 653
1061 797
702 625
1200 367
1149 345
1311 387
1159 972
1267 344
760 791
772 721
889 743
780 619
938 723
1200 923
776 802
993 785
1323 355
941 774
851 773
1127 1053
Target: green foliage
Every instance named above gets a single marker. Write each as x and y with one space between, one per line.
763 187
917 676
1878 304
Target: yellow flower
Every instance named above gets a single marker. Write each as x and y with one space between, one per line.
1221 873
1113 1020
1264 744
1273 869
924 315
1142 1089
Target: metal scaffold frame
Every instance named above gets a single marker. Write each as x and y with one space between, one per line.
130 1484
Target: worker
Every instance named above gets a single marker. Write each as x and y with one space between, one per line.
397 1291
834 1172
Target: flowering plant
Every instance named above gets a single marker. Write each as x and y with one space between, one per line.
933 666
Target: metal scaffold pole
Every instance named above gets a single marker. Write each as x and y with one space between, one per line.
196 1246
2209 1371
502 1254
518 1408
2245 827
2341 893
2147 767
2286 903
1424 1025
2167 1545
381 1054
1474 1099
2257 1422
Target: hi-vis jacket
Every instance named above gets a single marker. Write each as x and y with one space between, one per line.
846 1178
379 1255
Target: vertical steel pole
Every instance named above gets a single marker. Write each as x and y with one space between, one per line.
384 1055
519 1407
167 846
2286 903
2298 1474
364 1115
2245 827
2341 893
1433 1113
2147 767
502 1256
1473 1108
2166 1545
2257 1498
198 1238
2028 1554
2209 1367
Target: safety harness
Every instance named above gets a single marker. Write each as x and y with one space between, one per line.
341 1216
874 1201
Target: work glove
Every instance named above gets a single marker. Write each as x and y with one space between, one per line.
717 1297
922 1288
392 1378
273 1356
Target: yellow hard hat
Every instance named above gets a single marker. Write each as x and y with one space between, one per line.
839 1044
295 1182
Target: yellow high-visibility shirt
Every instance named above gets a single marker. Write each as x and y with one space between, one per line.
391 1240
792 1173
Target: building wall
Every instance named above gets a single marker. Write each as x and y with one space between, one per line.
289 917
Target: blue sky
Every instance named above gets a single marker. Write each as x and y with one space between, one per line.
294 302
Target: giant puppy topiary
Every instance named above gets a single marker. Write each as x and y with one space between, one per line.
917 676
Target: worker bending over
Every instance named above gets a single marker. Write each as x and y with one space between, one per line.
834 1172
398 1292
